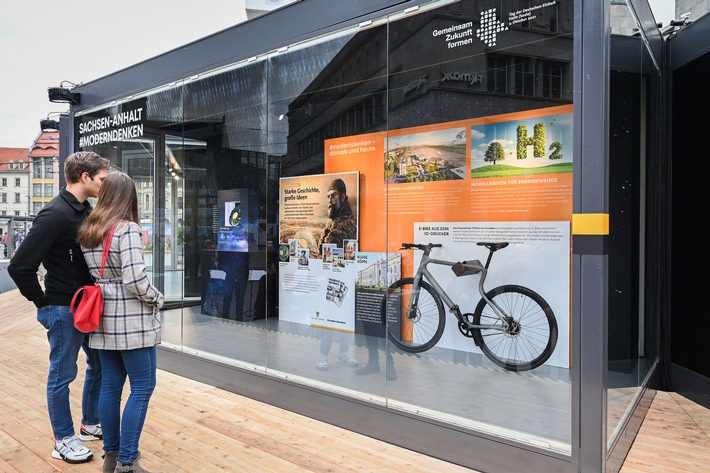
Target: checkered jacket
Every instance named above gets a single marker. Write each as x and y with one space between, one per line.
131 316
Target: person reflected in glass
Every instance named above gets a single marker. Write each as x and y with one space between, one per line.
341 226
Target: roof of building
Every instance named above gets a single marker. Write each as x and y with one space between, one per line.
46 144
14 155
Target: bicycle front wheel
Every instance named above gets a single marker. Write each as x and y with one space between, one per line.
413 321
530 335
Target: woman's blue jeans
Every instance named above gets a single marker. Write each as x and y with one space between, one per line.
122 432
64 344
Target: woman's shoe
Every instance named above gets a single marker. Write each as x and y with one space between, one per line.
129 467
110 459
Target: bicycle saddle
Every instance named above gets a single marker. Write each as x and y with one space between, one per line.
493 246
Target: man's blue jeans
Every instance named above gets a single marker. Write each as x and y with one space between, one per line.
64 344
122 433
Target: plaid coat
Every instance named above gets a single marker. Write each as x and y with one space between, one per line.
131 316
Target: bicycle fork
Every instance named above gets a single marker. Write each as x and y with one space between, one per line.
414 299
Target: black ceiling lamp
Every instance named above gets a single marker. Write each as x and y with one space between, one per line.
62 94
48 124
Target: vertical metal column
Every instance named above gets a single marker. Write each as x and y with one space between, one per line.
589 294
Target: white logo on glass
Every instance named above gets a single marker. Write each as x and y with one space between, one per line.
490 27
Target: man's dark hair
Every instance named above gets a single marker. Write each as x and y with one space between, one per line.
81 162
337 185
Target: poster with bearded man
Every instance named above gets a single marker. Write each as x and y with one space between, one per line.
319 209
318 217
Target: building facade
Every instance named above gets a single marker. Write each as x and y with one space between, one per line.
44 169
14 182
290 185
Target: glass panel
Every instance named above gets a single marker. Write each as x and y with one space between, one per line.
480 150
216 161
130 135
276 195
632 335
321 95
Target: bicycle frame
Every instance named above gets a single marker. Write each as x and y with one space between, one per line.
423 272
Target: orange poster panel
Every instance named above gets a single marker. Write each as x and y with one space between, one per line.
363 153
508 167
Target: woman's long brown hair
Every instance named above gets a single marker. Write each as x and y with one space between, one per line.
117 201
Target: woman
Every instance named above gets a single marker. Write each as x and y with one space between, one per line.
130 326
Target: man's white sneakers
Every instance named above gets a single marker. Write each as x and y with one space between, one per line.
71 450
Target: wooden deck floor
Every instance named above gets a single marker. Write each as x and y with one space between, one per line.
192 427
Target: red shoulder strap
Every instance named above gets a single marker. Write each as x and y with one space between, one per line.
107 247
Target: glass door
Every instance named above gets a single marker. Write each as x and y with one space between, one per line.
142 160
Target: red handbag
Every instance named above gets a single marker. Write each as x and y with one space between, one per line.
87 316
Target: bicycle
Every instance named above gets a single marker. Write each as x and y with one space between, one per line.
512 325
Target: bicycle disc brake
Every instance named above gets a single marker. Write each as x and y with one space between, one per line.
464 328
514 328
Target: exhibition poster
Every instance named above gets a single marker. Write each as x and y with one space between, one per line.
537 257
318 238
499 178
510 167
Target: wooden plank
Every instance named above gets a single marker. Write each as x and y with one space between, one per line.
669 439
196 428
301 436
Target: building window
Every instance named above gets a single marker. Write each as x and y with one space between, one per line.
17 212
48 169
497 72
11 165
48 190
551 80
3 212
553 18
4 182
3 197
18 183
22 165
36 190
37 168
17 198
36 207
522 5
524 76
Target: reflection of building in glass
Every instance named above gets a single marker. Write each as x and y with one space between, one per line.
381 273
433 77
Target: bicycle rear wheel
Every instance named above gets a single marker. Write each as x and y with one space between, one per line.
421 328
531 336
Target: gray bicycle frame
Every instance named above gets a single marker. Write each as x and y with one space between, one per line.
423 271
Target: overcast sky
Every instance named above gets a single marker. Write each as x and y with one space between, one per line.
39 48
663 10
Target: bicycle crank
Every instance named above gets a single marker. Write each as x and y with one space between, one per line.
464 326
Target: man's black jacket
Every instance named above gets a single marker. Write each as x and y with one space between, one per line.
52 241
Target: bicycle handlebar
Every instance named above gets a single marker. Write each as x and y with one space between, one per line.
420 246
492 247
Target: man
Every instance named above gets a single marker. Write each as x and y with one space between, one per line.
52 242
341 226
